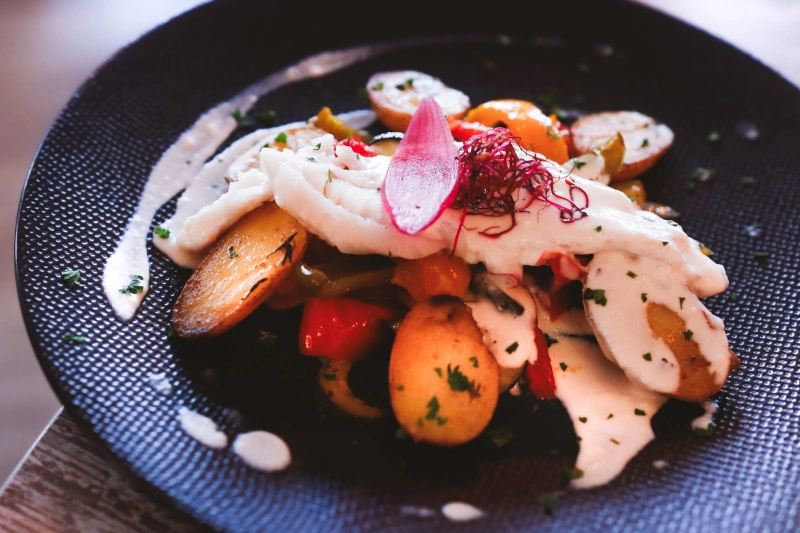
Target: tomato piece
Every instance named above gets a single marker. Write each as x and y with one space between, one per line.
432 275
342 329
358 146
541 381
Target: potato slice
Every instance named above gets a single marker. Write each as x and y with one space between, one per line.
239 272
645 139
395 95
443 381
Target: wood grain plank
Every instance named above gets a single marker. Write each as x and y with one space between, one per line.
67 483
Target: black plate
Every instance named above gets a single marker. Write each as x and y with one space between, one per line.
89 172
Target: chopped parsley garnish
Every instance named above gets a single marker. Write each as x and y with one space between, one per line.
281 138
474 361
409 83
598 229
713 136
664 243
615 441
135 286
457 380
639 412
631 274
400 434
78 339
552 134
438 371
578 163
401 387
648 356
511 348
574 473
330 176
733 297
748 181
317 146
583 419
171 331
548 501
378 86
161 232
610 416
681 299
645 142
500 436
231 253
549 340
433 408
563 366
644 296
72 277
598 295
688 334
760 256
702 174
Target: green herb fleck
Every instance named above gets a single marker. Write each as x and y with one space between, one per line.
615 441
549 340
644 296
161 232
648 356
760 256
748 181
409 83
713 136
639 412
574 473
441 420
733 297
598 295
400 434
645 142
511 348
578 163
281 138
171 331
438 371
688 334
681 299
231 253
134 287
583 419
552 134
500 436
262 118
330 176
72 277
598 229
610 416
563 366
401 387
433 408
631 274
317 146
420 422
378 86
548 501
474 361
457 380
702 174
664 243
78 339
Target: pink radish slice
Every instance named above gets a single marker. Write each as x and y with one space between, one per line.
422 178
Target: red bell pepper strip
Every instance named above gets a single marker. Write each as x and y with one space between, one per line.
342 329
463 130
541 381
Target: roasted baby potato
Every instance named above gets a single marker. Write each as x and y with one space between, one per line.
396 95
645 139
443 381
239 272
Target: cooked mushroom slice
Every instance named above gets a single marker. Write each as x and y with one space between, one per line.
655 328
239 272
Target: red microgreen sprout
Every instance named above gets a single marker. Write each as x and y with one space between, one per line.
497 178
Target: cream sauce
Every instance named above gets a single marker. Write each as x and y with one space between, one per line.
610 414
202 429
461 512
262 450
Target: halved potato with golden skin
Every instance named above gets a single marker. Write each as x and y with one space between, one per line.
239 272
395 95
443 381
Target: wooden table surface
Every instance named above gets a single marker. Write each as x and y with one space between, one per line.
68 483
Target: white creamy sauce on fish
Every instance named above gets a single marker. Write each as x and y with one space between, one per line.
262 450
202 429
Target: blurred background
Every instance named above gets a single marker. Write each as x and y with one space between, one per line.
49 47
